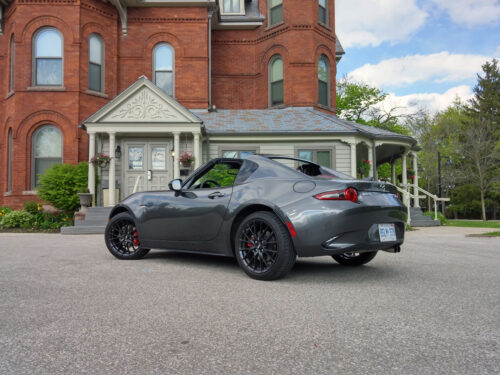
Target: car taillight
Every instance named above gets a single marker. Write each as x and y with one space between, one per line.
349 194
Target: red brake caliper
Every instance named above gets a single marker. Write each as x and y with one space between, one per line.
136 238
249 244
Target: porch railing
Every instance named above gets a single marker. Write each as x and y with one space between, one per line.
406 191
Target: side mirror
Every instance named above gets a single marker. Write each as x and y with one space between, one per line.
175 185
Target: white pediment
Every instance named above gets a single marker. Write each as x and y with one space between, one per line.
143 102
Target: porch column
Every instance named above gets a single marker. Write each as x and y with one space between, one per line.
374 157
196 149
370 159
177 173
91 179
404 179
415 180
393 173
354 162
112 169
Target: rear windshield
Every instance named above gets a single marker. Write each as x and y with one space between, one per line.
312 169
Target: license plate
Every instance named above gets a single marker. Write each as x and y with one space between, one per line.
387 232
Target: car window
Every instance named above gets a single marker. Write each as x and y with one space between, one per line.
220 175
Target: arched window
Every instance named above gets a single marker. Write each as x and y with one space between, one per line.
46 151
9 162
12 57
276 81
275 11
48 57
96 63
323 11
163 67
323 81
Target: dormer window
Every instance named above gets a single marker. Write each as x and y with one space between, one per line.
232 7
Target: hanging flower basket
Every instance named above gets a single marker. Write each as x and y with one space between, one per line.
100 160
186 159
364 167
410 173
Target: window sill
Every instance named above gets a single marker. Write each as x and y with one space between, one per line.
270 27
7 194
46 88
9 94
29 192
278 106
97 93
326 107
325 25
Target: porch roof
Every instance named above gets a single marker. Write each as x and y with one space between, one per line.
298 120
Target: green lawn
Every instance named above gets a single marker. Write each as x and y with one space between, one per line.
473 224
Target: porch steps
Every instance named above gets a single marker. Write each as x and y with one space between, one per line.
94 223
418 219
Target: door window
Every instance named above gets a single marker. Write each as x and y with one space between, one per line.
158 158
220 175
136 158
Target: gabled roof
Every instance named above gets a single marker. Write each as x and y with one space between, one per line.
143 102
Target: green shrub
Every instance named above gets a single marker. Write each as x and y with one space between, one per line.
60 185
4 211
32 207
17 219
441 217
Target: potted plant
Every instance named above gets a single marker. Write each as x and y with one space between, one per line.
100 160
364 167
411 174
186 159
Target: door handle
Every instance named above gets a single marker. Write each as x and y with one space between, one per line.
150 175
217 194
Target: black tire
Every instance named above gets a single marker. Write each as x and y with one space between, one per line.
122 238
263 247
354 259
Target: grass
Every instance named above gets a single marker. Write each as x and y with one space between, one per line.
488 234
473 224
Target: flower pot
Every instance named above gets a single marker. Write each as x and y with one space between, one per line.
85 201
186 165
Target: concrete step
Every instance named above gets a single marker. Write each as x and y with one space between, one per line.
83 230
425 223
91 222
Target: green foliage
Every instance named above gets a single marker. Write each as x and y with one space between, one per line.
473 224
32 207
61 183
4 211
221 174
441 217
17 219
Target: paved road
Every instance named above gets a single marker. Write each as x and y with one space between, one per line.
68 307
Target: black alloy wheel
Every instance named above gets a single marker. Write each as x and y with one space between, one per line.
354 258
263 247
122 238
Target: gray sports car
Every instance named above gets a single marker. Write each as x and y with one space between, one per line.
265 211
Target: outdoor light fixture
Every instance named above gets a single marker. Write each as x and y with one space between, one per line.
118 152
172 152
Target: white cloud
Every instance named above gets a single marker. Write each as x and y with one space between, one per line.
363 23
471 12
497 53
439 67
432 102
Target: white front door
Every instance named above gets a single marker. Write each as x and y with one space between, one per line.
148 165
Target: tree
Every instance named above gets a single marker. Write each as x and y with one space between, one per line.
486 101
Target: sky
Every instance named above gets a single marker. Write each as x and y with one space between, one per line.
423 53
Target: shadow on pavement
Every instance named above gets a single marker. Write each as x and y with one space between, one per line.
305 270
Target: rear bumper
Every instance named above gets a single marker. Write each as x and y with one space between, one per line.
329 229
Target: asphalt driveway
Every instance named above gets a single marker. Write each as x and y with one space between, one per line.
68 307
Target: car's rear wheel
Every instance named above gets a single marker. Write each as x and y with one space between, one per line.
122 238
263 247
354 259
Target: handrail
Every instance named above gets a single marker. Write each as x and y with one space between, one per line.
406 201
433 196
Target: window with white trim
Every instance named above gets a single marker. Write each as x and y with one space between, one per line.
48 57
228 7
96 63
323 81
47 148
237 154
321 157
163 67
276 96
275 12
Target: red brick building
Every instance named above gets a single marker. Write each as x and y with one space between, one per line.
65 64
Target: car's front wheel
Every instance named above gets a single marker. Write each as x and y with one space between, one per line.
263 247
354 259
122 238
